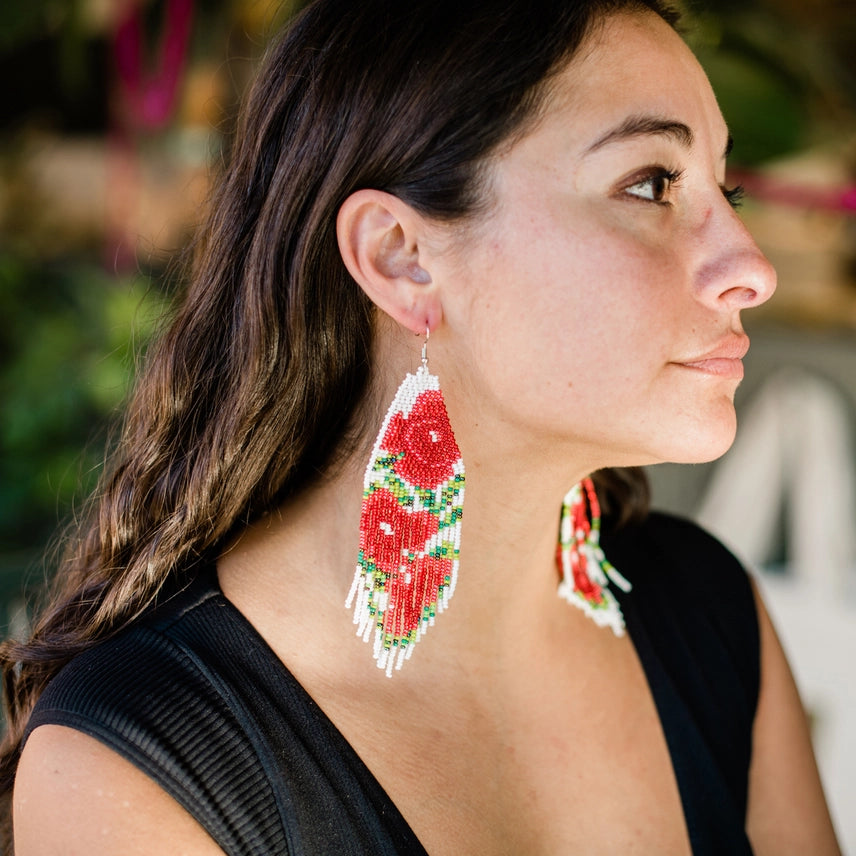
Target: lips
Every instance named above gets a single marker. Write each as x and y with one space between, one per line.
723 360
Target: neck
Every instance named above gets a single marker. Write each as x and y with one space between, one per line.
509 536
294 569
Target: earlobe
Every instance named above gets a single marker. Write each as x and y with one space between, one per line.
379 239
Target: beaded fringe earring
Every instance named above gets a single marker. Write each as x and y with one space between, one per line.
410 525
586 572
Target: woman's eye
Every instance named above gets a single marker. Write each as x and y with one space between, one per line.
655 187
734 195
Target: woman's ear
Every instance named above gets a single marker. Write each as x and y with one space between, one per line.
379 238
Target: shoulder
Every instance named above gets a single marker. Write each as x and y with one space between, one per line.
129 681
165 700
74 795
787 809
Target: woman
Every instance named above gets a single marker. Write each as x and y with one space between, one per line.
537 189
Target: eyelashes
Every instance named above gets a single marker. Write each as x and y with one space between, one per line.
656 184
734 195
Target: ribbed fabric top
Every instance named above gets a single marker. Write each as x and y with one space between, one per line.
192 695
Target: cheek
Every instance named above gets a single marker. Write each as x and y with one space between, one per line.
571 297
616 297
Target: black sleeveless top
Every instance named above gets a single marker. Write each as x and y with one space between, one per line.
193 696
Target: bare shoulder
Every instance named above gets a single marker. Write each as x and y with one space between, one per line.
787 810
74 795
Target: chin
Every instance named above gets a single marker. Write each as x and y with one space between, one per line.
708 435
705 444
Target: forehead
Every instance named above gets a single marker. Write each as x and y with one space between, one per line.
636 64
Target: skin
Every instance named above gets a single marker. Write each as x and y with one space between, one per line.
590 318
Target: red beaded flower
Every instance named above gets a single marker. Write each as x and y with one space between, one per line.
426 440
388 530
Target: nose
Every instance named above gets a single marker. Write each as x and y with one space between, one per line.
734 273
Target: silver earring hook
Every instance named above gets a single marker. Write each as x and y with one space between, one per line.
425 348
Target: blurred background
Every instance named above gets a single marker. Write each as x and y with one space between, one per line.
113 113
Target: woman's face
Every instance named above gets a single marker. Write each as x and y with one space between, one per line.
598 302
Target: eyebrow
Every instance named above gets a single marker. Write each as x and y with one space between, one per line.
639 126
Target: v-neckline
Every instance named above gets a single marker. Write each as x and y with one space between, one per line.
636 633
352 758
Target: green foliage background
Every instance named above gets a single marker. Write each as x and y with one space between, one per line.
68 346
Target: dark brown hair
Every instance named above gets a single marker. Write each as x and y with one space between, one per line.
250 391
